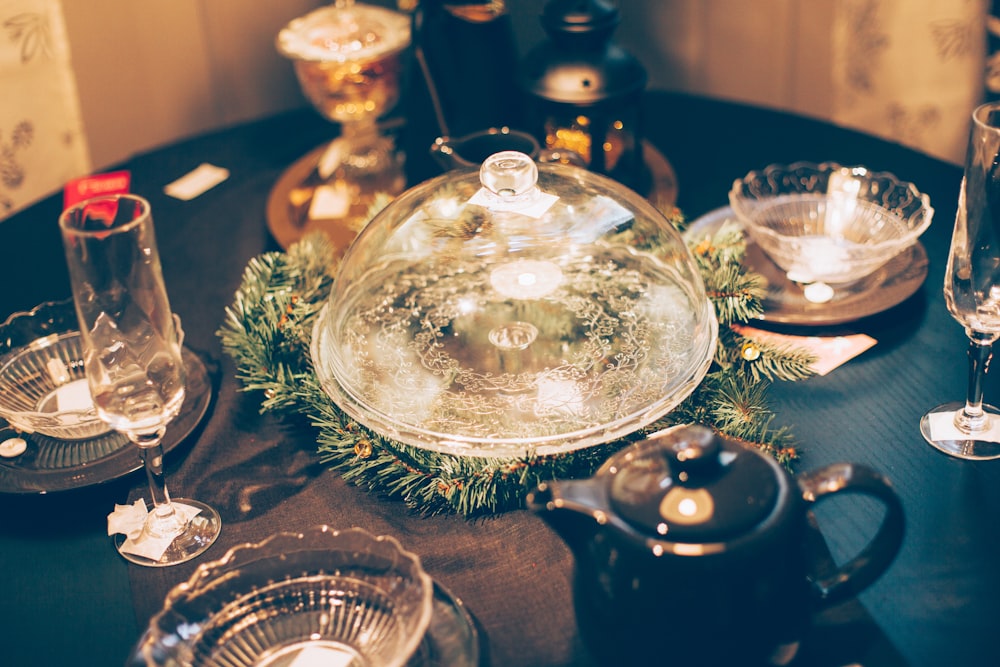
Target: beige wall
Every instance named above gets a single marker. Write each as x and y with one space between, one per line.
769 52
151 71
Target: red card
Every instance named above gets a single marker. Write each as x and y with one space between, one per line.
110 183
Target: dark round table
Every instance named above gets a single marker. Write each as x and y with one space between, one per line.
66 597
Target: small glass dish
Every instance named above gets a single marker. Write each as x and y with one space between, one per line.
322 596
43 387
825 223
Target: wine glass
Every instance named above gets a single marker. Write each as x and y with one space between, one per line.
971 430
132 358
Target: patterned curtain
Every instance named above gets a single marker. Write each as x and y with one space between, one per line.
910 70
992 79
42 143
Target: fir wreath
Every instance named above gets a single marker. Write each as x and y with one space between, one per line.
268 326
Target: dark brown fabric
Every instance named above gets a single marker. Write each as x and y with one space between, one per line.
263 476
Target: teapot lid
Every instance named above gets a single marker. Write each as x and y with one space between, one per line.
689 485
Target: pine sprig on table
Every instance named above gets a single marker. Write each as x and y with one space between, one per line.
267 331
737 295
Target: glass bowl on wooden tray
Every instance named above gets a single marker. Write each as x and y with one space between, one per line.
787 302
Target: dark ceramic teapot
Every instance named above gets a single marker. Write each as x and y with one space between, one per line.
694 550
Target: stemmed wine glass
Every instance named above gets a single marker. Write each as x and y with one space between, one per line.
971 430
132 356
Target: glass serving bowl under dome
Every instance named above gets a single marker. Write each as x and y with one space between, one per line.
524 309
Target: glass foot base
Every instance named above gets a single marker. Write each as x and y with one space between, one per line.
198 535
951 443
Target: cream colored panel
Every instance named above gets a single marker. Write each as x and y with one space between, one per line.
42 144
910 70
668 38
152 71
143 72
249 78
747 48
811 58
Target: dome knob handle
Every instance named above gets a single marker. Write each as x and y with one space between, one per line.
509 174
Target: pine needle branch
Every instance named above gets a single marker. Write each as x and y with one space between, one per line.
267 331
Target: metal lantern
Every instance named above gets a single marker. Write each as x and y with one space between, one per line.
584 92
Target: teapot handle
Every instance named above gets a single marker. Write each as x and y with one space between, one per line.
868 565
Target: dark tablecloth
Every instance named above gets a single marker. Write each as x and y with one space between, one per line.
934 606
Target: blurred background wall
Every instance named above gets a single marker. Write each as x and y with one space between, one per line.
123 77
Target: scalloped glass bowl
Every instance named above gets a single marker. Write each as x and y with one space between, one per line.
829 223
323 596
43 387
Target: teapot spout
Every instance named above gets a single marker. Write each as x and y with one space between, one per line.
574 509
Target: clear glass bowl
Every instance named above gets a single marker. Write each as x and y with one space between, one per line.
322 596
828 223
43 386
515 310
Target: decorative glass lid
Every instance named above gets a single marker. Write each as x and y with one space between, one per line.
524 309
344 31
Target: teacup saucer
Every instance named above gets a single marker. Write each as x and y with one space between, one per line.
787 303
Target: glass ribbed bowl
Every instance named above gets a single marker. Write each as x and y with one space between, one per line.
43 387
829 223
323 596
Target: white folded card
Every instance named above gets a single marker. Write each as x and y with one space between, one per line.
322 656
128 520
942 425
204 177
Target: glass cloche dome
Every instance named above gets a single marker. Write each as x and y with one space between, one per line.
526 309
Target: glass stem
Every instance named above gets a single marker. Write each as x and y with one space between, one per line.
368 151
163 520
971 418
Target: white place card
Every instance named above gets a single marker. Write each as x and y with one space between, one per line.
141 544
57 371
203 178
330 202
322 656
74 396
536 208
942 426
331 158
